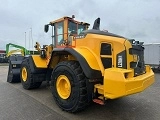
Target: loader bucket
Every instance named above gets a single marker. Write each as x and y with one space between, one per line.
14 69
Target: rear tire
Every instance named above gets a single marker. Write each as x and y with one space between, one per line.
77 97
27 81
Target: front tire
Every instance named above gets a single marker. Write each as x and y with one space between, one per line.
69 88
26 76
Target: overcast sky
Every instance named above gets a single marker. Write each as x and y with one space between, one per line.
138 19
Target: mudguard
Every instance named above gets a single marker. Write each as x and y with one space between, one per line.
86 59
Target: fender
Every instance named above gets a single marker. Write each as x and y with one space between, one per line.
37 64
38 61
88 62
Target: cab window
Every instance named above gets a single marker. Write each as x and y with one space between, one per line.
72 28
59 32
81 28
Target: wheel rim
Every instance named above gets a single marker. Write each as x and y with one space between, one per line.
24 74
63 86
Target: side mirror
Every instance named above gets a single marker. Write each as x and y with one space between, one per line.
46 28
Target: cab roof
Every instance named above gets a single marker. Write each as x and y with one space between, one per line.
69 18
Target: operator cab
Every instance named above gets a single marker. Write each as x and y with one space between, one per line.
64 30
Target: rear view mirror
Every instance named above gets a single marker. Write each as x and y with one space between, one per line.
46 28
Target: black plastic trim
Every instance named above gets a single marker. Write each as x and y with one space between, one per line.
135 49
139 66
106 49
93 31
107 62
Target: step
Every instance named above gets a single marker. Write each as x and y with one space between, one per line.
100 88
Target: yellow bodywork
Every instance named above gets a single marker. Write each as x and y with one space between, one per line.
90 57
40 62
89 47
117 82
116 85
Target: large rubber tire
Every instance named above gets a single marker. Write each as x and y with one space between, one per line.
29 82
78 98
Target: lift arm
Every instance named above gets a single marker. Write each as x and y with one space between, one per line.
26 52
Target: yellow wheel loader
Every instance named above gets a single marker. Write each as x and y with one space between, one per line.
84 65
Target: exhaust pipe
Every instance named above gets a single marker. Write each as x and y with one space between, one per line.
96 24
